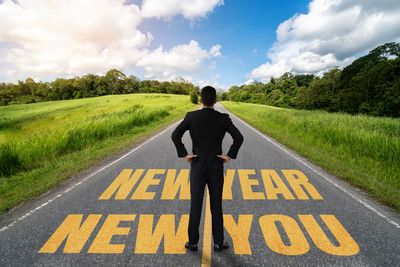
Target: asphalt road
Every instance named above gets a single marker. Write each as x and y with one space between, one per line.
280 210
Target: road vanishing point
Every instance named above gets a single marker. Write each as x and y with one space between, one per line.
279 210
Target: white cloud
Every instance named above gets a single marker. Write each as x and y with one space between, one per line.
187 8
70 37
215 51
331 34
211 81
182 59
47 39
248 82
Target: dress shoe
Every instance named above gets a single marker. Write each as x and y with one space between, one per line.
192 247
219 247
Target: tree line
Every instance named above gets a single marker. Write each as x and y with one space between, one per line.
370 85
90 85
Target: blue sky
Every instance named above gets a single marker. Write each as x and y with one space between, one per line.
244 29
215 42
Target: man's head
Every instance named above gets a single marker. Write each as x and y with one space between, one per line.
208 96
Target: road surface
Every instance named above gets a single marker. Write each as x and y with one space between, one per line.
279 210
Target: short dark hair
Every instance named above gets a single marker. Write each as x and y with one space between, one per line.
208 95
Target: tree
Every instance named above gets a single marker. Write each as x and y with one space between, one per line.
365 83
62 89
114 79
86 86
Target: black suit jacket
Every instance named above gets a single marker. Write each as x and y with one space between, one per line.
207 128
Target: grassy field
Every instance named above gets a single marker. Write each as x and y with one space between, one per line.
361 149
43 144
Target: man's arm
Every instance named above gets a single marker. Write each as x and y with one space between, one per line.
177 136
237 139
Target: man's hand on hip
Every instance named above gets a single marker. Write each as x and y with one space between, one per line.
189 158
226 158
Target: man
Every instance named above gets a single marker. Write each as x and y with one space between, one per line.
207 128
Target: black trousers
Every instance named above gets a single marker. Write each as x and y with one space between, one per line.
212 174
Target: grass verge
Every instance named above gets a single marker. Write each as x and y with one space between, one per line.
361 149
43 144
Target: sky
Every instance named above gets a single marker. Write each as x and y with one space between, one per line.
208 42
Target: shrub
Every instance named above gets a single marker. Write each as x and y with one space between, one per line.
10 161
194 98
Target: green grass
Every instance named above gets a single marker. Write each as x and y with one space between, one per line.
45 143
361 149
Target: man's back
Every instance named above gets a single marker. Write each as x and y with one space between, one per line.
207 128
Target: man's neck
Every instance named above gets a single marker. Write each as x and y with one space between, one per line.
203 106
